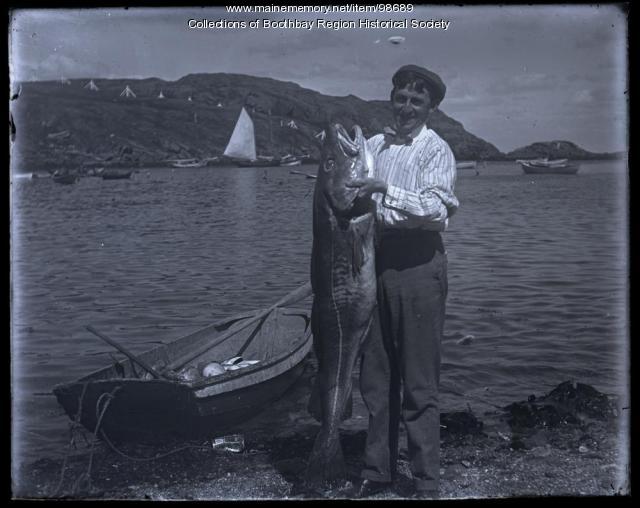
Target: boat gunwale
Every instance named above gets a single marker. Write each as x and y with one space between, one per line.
299 342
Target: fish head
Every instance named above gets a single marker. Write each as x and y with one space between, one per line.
345 157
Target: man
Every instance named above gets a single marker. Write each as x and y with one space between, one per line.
413 181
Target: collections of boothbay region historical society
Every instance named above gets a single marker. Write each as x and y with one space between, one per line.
337 24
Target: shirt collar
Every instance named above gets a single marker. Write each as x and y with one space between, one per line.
419 132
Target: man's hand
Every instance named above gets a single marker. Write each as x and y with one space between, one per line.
367 186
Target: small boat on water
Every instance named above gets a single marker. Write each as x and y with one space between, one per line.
466 165
40 174
222 375
188 163
559 169
545 163
290 160
116 174
65 178
242 145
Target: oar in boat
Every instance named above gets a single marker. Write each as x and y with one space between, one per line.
293 297
127 353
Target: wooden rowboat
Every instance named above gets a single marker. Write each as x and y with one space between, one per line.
534 169
277 340
116 174
66 179
466 165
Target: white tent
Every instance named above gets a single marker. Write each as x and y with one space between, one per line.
127 92
292 124
189 99
91 86
160 95
220 105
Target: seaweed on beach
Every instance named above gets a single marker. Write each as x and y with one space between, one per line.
568 403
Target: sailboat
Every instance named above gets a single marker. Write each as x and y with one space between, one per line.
242 145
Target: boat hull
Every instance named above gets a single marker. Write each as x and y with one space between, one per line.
116 175
66 179
157 409
569 169
291 163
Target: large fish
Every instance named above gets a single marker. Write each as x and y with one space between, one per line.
344 287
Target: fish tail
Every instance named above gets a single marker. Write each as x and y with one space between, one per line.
326 463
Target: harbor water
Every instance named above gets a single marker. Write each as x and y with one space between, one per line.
537 276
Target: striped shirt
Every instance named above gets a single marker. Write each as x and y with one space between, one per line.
420 179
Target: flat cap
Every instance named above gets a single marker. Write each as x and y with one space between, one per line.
437 89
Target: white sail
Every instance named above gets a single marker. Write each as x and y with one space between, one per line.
242 144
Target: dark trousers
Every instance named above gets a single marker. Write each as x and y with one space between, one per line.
400 369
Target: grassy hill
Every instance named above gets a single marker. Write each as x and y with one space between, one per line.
69 125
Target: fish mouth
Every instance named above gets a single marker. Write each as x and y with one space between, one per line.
350 144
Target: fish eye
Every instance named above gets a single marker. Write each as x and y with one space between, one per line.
329 164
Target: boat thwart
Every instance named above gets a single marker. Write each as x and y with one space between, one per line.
258 356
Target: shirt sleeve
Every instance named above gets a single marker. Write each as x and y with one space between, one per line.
434 201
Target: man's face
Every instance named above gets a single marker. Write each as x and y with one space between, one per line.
410 108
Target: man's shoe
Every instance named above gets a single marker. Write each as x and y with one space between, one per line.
371 488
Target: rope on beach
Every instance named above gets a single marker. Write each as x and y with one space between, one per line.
83 482
155 457
74 425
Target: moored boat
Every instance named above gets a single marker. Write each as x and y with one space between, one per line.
546 163
290 160
271 342
188 163
65 178
466 165
116 174
564 169
36 175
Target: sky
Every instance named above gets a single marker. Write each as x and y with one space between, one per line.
514 74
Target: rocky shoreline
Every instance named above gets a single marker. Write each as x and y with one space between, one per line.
569 442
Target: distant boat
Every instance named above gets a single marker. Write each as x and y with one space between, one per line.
116 174
40 174
94 171
290 160
65 178
544 162
242 145
557 169
188 163
466 164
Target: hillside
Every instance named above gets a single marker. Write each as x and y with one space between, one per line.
69 125
557 150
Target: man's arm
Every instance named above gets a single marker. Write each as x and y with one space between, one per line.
434 201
